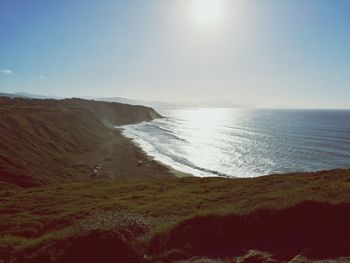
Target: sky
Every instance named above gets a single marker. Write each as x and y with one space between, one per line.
269 53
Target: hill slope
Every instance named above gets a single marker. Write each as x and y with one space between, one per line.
46 141
71 214
171 219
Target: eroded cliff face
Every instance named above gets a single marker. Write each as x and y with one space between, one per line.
45 141
112 113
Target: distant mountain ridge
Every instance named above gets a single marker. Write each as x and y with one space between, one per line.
12 95
27 95
152 104
36 96
160 104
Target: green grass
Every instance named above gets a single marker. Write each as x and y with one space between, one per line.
43 215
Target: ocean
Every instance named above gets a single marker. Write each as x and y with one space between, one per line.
246 142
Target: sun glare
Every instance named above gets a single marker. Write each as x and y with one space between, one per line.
207 12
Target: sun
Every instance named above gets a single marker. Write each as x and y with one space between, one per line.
207 12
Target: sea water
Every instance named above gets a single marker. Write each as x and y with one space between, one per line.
246 142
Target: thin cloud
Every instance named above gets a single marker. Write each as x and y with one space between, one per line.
6 71
42 77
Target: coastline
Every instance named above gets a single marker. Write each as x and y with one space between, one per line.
145 207
172 170
180 174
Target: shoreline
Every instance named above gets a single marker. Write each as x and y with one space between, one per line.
175 172
180 174
172 170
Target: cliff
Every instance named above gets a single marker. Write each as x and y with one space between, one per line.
111 113
46 141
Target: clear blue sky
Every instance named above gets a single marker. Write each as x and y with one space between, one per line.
271 53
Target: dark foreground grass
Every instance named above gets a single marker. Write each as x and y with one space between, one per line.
317 230
174 218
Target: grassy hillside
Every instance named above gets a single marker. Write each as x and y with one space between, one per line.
54 209
47 141
178 218
110 113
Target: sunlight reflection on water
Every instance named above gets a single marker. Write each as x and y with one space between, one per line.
246 143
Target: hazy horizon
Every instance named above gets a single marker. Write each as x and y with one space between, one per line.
274 54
